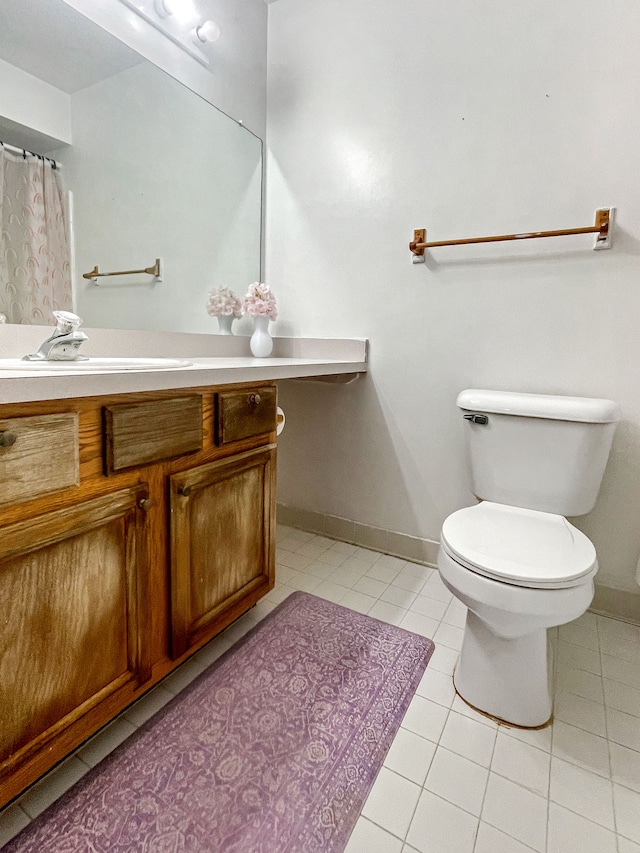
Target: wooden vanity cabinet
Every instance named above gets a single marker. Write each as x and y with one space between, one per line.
74 630
141 526
221 547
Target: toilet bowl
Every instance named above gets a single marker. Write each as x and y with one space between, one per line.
513 559
518 572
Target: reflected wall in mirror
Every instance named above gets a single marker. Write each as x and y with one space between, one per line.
153 170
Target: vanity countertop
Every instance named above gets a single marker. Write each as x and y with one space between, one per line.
215 360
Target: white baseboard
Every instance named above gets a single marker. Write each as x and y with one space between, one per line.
617 603
412 548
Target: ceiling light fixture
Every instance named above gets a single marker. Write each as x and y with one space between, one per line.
208 31
164 8
178 21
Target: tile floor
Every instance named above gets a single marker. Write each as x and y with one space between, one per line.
453 781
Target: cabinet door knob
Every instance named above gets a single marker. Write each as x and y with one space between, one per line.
145 504
7 439
185 491
255 399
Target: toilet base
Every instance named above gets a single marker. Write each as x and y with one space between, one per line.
505 678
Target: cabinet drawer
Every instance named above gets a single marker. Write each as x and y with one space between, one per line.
38 456
241 414
141 433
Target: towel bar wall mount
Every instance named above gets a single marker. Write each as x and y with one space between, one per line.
602 228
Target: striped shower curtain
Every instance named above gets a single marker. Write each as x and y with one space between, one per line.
34 244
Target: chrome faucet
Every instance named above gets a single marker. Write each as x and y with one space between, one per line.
65 341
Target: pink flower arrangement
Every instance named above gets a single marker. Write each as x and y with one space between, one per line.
224 302
260 301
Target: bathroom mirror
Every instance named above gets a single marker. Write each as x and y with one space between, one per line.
153 171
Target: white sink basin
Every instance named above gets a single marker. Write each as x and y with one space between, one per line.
92 365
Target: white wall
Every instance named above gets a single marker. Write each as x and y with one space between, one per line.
467 119
33 104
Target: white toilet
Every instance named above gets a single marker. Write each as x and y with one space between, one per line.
514 560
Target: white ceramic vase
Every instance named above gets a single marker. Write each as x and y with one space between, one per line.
261 342
224 324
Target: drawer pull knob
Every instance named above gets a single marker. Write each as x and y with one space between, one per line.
255 399
145 504
185 491
7 439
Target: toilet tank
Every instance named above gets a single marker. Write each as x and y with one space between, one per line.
538 451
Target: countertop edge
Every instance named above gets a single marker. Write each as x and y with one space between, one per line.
23 389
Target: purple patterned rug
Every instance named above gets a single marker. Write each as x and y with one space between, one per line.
273 749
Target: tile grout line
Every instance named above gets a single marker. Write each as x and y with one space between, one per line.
422 787
486 787
606 728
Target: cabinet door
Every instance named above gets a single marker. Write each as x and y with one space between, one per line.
222 549
74 621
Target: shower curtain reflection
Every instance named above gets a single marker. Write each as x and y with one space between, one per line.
35 275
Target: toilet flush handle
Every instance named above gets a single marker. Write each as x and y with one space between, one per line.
477 419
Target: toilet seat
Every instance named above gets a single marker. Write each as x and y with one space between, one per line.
519 546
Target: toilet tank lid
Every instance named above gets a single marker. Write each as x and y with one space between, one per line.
583 409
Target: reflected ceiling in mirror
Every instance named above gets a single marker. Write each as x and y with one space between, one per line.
152 169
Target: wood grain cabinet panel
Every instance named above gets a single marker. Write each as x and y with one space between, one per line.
38 456
244 413
74 617
165 539
141 433
222 521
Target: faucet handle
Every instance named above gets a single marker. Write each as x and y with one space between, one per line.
67 321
